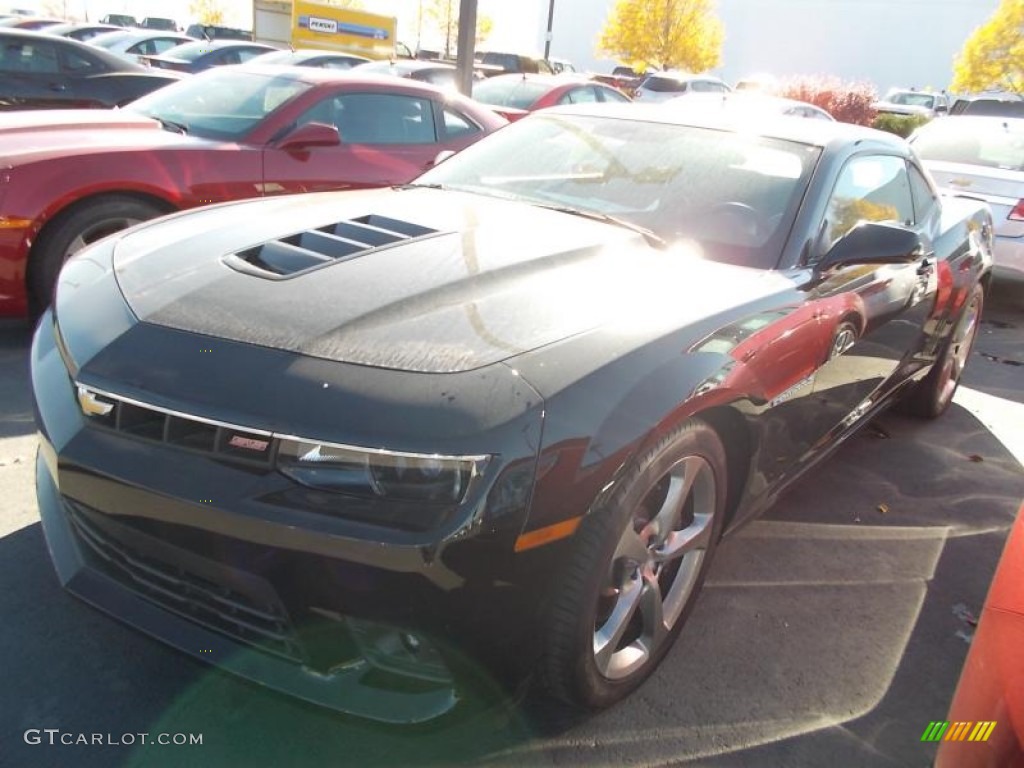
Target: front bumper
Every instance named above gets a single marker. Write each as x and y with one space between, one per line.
389 624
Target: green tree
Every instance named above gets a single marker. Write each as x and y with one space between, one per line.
663 34
442 16
993 56
207 11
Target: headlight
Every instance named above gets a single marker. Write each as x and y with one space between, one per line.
384 474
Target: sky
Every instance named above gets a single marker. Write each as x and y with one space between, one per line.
886 42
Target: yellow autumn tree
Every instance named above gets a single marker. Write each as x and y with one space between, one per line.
207 11
993 56
663 34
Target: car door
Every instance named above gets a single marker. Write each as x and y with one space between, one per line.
876 313
386 138
30 75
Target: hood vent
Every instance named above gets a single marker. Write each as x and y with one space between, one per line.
279 259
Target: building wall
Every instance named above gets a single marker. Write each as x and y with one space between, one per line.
887 42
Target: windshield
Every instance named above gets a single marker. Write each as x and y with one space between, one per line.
734 194
911 99
994 144
109 39
225 103
188 51
511 92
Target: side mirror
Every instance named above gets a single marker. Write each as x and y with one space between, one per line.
309 135
871 242
441 156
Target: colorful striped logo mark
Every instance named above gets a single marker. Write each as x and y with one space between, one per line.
946 731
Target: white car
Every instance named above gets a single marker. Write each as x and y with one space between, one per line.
133 44
982 157
662 86
900 101
741 103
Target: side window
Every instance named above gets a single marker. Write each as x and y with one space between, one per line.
249 53
29 57
925 202
583 95
164 44
75 63
377 118
456 126
607 94
869 188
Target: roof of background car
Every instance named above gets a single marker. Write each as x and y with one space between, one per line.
354 77
821 133
403 65
967 123
114 62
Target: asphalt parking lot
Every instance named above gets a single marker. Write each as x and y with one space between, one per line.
830 632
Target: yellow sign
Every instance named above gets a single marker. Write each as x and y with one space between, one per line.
315 25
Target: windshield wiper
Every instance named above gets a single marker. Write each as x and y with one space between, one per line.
170 125
654 240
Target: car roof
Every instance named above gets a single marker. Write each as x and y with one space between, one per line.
315 75
116 63
969 123
676 74
820 133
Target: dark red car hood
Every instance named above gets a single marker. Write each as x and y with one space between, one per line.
479 281
32 135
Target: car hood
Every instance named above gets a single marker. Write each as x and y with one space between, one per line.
474 281
31 135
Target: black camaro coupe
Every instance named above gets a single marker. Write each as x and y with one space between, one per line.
370 448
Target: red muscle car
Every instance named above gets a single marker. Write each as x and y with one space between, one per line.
68 178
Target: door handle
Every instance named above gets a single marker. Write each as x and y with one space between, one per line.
58 87
926 266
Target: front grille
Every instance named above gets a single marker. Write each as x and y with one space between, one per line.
252 613
153 424
344 240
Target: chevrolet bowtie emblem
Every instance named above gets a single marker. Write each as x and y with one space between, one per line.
91 404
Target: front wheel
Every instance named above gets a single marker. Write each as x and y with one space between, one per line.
75 229
931 397
635 570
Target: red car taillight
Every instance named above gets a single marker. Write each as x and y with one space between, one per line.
1017 214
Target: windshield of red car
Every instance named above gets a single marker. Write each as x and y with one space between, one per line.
730 196
511 92
224 103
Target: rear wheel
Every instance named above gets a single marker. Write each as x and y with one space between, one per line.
73 230
932 395
635 571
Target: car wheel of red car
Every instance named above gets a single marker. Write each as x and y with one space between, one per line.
932 396
635 570
76 228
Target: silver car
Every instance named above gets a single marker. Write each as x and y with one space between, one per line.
982 157
662 86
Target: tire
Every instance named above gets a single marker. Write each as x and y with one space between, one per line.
621 599
74 229
931 397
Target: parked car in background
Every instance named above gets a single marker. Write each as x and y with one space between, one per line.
437 73
623 78
902 101
203 54
40 71
120 20
990 694
82 32
311 57
982 157
159 23
561 66
217 32
30 23
136 44
514 96
226 134
501 62
741 104
662 86
759 83
360 445
992 104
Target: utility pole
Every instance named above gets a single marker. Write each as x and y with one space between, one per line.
467 45
551 21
